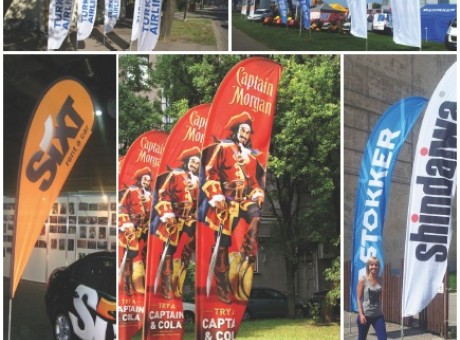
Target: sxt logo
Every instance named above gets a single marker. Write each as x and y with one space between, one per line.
52 154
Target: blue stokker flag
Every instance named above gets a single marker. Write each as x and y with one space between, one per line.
283 9
305 5
379 159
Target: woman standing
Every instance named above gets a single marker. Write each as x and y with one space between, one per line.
369 302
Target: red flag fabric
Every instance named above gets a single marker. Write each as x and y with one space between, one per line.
58 132
172 226
138 171
234 158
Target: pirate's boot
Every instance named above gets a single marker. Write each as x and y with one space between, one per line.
221 272
128 278
138 276
249 247
166 278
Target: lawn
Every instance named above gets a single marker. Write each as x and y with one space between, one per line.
284 39
279 329
193 30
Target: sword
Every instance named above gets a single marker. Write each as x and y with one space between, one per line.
160 266
123 264
212 263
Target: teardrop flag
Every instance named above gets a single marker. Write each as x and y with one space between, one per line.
138 172
58 132
234 159
172 226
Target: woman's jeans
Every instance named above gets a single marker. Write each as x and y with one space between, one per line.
379 326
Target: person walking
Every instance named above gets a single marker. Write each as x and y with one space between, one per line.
369 294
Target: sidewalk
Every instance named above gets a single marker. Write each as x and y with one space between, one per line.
242 42
393 330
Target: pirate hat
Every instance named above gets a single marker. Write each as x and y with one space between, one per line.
142 172
243 118
187 153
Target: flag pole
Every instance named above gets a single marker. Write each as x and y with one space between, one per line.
10 313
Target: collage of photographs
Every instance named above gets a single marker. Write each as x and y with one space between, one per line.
229 169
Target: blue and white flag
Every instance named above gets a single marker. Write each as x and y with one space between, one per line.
379 159
150 29
112 13
86 15
136 20
283 9
432 191
305 6
358 14
59 21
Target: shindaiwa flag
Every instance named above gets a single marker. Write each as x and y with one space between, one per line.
150 25
111 15
406 22
135 182
136 28
358 14
171 239
59 21
432 190
86 15
57 134
379 159
232 183
283 9
305 6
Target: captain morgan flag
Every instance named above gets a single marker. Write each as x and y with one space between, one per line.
58 132
234 159
59 21
379 159
140 164
433 186
173 224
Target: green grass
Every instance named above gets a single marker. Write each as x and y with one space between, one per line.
193 30
279 329
283 39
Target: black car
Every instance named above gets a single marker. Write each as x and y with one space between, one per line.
269 303
81 298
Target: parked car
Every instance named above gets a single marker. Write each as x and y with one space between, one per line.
260 15
269 303
383 23
81 298
451 35
346 27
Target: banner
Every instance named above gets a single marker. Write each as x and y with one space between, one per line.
234 158
135 31
58 131
305 5
379 159
59 21
150 29
283 9
407 27
432 190
358 14
86 15
135 179
172 226
111 15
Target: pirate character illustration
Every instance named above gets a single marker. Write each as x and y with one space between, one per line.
134 214
176 209
235 199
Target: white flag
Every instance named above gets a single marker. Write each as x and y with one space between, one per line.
86 15
150 29
112 13
136 20
406 22
433 185
358 14
59 21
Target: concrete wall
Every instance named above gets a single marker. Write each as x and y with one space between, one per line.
371 84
